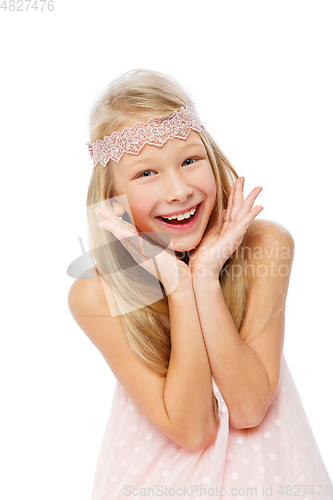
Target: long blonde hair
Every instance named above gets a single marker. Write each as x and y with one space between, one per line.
138 96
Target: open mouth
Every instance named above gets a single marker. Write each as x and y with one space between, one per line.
182 220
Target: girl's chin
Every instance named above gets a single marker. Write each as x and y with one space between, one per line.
182 246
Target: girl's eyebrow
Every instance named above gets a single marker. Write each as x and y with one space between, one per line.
138 162
149 159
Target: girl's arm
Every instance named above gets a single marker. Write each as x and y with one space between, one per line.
246 364
180 404
188 385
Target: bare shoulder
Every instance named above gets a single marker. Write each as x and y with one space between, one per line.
87 295
268 241
267 230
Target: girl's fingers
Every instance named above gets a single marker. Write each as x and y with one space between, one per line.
135 243
237 199
248 203
249 218
112 223
229 204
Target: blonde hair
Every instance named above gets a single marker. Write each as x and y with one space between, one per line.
138 96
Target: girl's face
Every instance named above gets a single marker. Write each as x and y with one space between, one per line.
160 183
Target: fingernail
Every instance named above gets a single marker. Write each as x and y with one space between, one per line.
97 211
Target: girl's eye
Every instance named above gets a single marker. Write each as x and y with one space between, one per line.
189 161
146 173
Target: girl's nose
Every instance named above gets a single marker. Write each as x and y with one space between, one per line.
177 188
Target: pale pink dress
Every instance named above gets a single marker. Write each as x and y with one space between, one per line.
279 459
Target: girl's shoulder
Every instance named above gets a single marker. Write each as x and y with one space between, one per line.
267 230
267 234
268 246
88 296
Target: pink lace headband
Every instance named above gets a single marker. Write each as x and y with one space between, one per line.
155 132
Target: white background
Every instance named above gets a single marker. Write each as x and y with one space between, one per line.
260 73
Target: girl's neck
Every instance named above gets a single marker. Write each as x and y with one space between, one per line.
183 256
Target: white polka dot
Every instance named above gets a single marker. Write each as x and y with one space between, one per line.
240 440
234 475
298 455
277 479
302 477
124 463
255 447
136 449
205 479
160 464
131 407
149 458
284 388
246 461
147 478
267 435
261 470
134 428
135 472
282 444
149 436
296 401
272 456
165 473
174 451
113 479
288 410
277 423
121 402
122 442
230 456
251 482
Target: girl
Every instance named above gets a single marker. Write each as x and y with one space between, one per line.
188 310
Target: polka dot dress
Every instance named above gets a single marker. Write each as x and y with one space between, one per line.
278 459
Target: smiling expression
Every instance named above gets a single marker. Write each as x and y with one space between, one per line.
169 181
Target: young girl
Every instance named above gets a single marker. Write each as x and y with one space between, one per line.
187 307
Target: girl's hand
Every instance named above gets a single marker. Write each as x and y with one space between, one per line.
159 261
220 243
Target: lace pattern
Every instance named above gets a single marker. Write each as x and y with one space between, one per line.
155 132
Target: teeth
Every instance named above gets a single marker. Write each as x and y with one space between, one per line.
186 215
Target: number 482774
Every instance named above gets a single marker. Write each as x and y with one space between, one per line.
24 5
